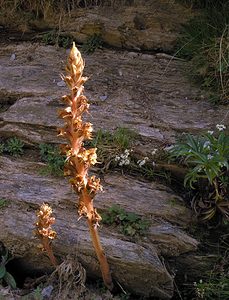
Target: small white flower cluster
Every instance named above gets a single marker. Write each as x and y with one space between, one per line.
154 151
207 144
220 127
124 158
143 161
200 290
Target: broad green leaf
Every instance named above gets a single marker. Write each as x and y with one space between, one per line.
10 280
192 142
132 217
122 216
2 271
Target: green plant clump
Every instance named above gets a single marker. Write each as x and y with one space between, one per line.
207 158
216 287
50 154
53 38
130 223
121 138
3 202
92 43
5 276
204 41
14 146
111 144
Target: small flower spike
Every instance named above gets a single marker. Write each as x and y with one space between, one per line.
44 230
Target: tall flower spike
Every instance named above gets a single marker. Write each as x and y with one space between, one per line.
44 231
79 160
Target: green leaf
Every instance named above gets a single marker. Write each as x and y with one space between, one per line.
2 271
122 216
10 280
3 202
192 142
105 218
129 230
132 217
5 258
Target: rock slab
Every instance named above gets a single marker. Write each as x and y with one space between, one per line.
135 264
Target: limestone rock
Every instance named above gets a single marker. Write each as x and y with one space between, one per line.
152 96
24 190
144 25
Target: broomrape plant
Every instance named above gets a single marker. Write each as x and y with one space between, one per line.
78 158
207 158
44 231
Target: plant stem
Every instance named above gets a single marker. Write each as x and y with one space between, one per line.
100 254
46 245
217 194
92 219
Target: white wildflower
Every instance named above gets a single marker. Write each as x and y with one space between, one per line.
207 144
154 151
123 158
220 127
117 158
124 162
209 156
142 162
210 132
127 162
153 163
